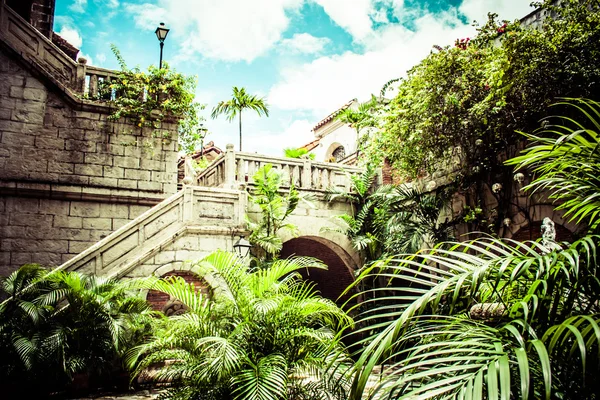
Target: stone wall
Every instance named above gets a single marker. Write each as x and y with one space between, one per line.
51 231
68 175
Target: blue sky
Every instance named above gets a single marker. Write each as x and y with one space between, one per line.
306 57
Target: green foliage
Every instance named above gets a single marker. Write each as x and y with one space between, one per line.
239 102
158 95
359 226
55 325
301 152
565 161
265 334
361 118
468 100
275 209
492 318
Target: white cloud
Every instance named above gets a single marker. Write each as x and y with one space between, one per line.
78 6
507 9
328 82
354 18
229 30
305 43
296 134
101 57
71 35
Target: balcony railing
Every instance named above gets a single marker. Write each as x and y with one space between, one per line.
307 174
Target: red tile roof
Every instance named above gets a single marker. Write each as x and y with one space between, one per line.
311 145
331 116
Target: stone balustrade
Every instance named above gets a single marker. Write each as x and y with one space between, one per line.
94 79
77 79
208 210
304 173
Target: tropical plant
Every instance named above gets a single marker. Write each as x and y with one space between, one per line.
564 160
239 102
274 210
264 334
301 152
410 218
359 226
360 118
55 325
155 97
492 318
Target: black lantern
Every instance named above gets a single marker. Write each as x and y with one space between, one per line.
242 247
161 33
201 131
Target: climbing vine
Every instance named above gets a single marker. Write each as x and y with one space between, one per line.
151 98
459 110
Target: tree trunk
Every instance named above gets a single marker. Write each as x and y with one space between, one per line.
240 130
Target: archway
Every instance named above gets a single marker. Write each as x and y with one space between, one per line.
534 231
340 274
163 302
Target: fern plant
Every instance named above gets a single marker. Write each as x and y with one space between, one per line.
539 334
265 334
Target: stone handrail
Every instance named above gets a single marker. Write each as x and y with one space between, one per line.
305 173
94 78
36 48
214 174
148 233
77 79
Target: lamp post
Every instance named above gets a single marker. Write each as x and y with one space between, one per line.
161 33
201 131
242 247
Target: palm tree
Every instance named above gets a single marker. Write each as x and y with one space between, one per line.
240 101
360 118
57 324
264 334
493 318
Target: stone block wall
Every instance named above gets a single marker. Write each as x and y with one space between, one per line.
44 139
68 175
50 231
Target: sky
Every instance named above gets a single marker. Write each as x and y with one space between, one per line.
305 57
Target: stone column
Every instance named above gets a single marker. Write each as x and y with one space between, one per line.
229 166
306 174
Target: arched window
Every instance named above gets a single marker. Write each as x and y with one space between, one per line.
339 154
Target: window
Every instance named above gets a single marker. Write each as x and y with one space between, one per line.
339 154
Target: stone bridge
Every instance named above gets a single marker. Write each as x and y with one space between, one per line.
208 213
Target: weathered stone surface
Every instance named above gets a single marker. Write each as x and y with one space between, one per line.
85 209
97 223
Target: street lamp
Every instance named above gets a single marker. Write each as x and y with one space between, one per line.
242 247
161 33
201 131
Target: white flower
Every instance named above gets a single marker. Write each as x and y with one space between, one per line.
496 187
506 222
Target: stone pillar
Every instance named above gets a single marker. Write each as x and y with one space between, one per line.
229 165
306 174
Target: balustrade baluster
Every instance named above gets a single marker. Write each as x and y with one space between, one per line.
241 170
251 169
287 176
93 91
325 179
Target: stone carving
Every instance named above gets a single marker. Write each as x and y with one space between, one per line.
548 233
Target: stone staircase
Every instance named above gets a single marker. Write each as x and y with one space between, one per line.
194 212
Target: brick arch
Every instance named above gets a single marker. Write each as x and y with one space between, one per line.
534 231
163 302
340 274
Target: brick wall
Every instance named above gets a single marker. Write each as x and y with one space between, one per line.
331 282
160 301
39 13
44 139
